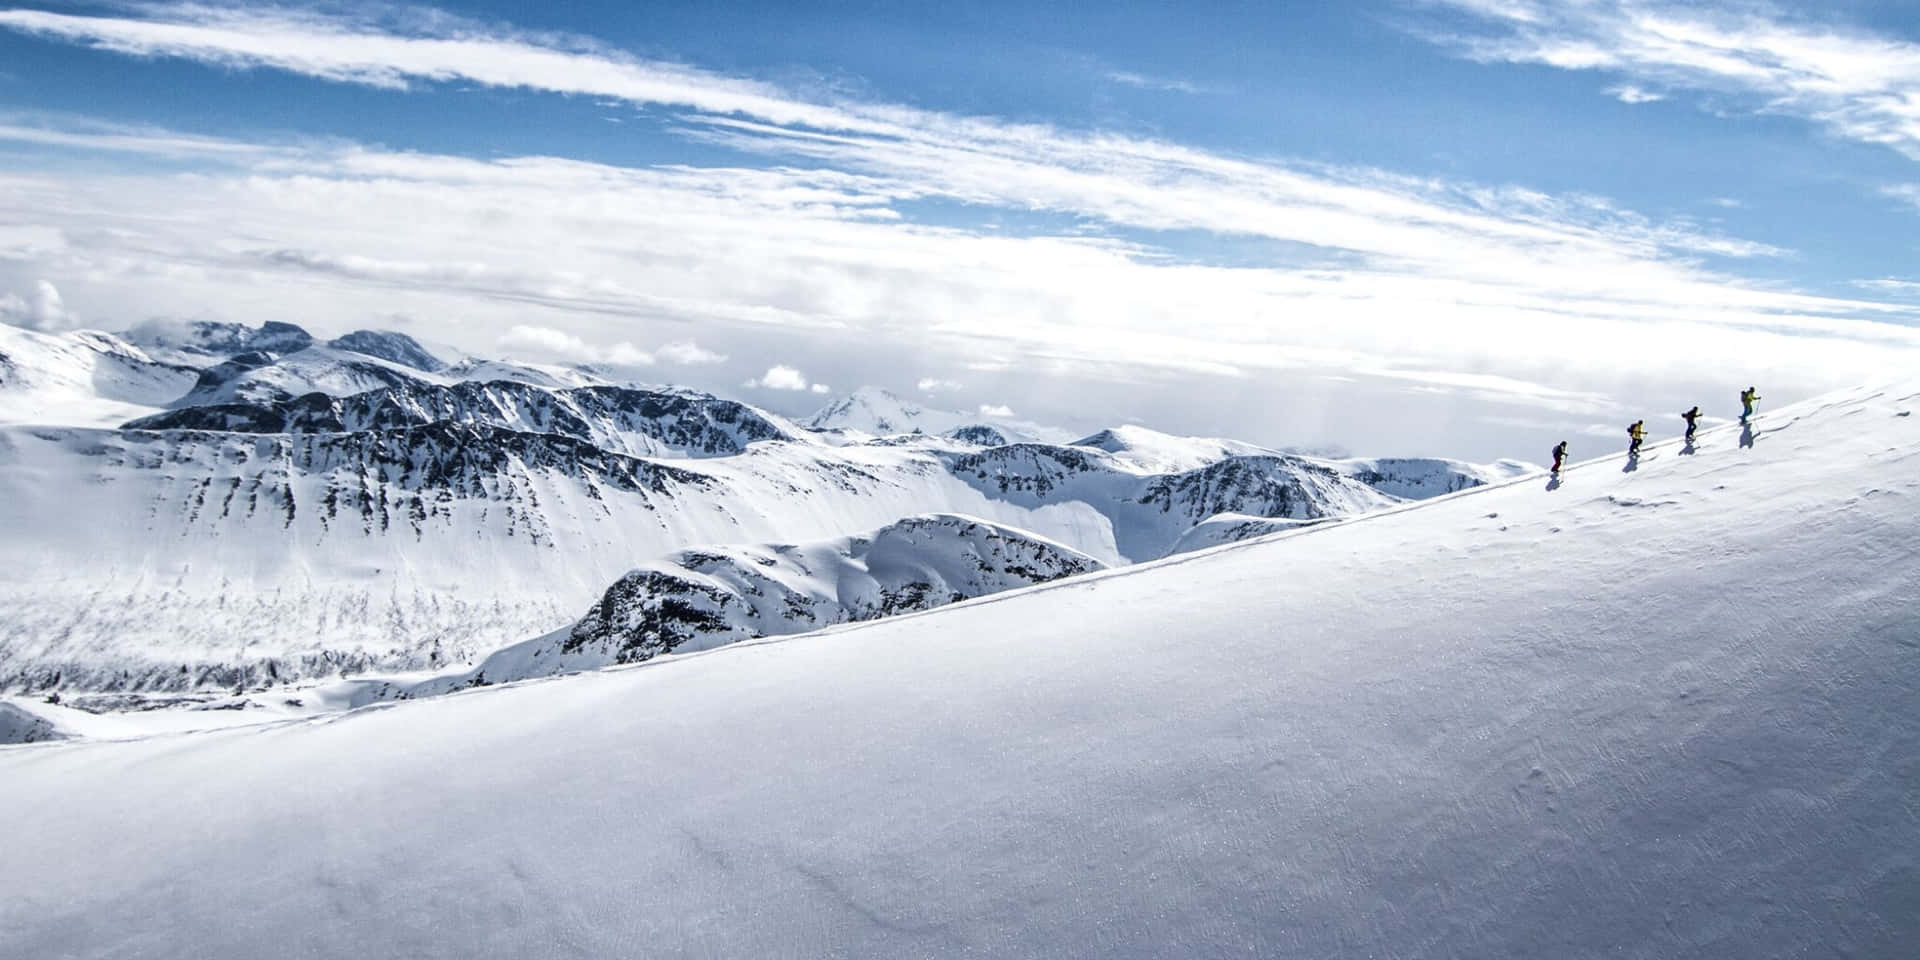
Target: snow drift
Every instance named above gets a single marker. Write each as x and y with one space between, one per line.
1651 712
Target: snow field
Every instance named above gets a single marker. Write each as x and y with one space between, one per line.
1659 713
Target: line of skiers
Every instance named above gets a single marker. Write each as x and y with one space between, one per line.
1637 432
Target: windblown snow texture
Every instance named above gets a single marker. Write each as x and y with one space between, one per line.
1659 713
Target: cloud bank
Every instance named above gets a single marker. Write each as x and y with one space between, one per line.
809 251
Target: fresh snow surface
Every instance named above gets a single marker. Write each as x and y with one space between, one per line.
81 378
1650 710
1222 528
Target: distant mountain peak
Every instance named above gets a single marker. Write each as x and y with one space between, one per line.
392 346
218 338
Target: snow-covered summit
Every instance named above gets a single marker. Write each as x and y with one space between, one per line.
623 420
265 377
199 342
391 346
881 413
81 378
1650 709
1150 451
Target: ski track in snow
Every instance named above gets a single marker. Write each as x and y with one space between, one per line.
1516 722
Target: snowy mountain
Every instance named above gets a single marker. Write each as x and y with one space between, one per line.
81 378
389 346
1150 451
337 510
1652 709
872 411
1149 512
262 377
641 423
708 597
201 342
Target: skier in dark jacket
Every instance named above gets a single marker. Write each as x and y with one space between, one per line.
1747 399
1637 432
1559 455
1692 417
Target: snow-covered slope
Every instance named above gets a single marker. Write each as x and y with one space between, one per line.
624 420
264 377
1150 451
1149 512
350 537
1224 528
81 378
1662 709
704 598
204 342
391 346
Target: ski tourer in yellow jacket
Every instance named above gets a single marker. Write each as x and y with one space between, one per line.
1638 432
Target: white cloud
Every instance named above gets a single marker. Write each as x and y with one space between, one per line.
995 410
782 377
820 388
1629 93
1146 82
1908 193
1858 84
686 353
936 385
42 310
1414 280
547 343
1891 285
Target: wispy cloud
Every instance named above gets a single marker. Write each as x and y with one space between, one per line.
1894 286
1629 93
1488 291
686 353
1857 84
547 343
1908 193
1145 82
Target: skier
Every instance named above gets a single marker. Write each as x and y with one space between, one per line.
1747 398
1559 456
1692 418
1638 432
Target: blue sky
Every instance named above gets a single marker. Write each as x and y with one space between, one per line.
1441 226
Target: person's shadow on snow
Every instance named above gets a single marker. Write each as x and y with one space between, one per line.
1553 483
1688 449
1633 463
1746 434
